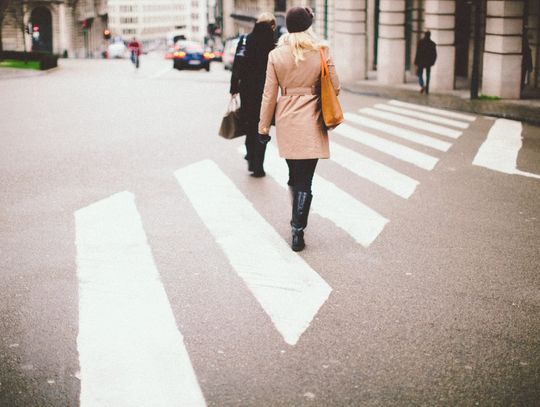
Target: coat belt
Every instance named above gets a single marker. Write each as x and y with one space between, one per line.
298 91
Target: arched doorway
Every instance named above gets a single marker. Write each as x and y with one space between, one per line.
41 20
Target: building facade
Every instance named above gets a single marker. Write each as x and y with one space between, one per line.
65 27
377 38
381 36
153 20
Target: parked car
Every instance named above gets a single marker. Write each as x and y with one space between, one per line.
117 50
228 52
191 55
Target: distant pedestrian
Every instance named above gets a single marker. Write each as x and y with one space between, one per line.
426 55
295 68
527 61
248 76
135 48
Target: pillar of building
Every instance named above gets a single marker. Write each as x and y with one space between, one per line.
391 46
64 38
502 52
440 20
350 38
417 27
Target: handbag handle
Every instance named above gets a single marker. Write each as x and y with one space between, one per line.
324 66
234 104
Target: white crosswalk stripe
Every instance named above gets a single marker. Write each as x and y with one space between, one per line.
424 116
130 351
500 150
440 112
287 288
399 132
355 218
399 151
380 174
418 124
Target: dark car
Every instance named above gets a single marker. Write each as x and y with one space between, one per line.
191 55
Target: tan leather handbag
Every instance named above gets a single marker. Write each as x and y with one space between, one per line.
331 109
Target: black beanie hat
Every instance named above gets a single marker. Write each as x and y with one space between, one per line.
299 19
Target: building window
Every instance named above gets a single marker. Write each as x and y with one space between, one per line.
128 20
280 5
128 9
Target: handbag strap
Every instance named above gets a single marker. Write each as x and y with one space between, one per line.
324 66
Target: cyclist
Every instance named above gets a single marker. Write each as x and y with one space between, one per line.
135 48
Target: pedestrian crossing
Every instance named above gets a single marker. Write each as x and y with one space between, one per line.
130 351
287 288
127 330
361 222
399 132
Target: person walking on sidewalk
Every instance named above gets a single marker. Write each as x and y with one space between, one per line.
248 76
426 55
295 67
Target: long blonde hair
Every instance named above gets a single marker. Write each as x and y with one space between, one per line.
300 42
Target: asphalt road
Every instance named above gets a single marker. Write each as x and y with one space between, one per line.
440 306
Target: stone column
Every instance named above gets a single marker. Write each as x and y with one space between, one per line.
440 20
418 21
228 23
502 52
391 47
64 43
350 39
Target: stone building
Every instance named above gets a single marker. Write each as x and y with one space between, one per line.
377 38
66 27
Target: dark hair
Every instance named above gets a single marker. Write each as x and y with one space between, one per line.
427 34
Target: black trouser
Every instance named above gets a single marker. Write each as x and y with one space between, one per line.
254 149
301 174
421 77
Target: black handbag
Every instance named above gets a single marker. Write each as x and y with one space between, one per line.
230 124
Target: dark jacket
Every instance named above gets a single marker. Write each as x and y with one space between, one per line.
426 53
249 73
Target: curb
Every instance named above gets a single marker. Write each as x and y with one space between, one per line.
512 110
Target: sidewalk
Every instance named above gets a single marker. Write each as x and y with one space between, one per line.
14 73
526 110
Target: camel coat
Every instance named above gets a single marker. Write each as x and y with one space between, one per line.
300 131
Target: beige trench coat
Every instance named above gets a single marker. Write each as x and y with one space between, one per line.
300 132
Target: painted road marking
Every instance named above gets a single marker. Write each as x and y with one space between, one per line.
399 151
424 116
386 177
287 288
131 351
399 132
407 121
500 150
433 110
358 220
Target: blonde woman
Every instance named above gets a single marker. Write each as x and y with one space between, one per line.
295 68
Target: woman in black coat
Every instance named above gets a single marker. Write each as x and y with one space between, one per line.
248 77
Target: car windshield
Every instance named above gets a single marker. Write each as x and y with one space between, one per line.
190 47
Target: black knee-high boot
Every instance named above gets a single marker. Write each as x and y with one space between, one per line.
258 160
300 213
